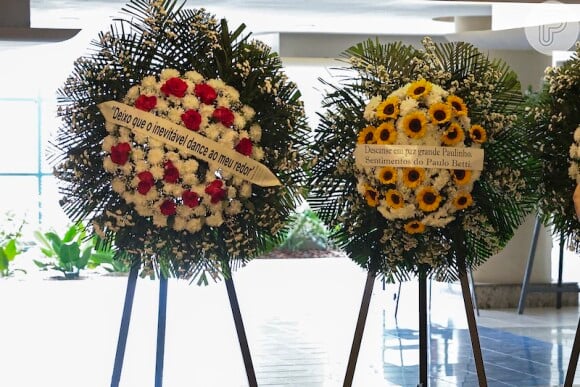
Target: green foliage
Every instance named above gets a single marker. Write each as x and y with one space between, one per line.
10 234
306 231
68 254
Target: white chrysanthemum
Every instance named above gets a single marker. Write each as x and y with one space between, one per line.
141 166
190 102
194 76
407 106
577 135
231 93
217 84
174 115
234 207
245 190
149 81
179 223
110 127
213 131
169 73
214 220
108 143
223 101
157 171
173 157
229 138
248 112
370 113
239 121
118 185
133 93
194 225
159 220
162 105
155 156
255 133
258 153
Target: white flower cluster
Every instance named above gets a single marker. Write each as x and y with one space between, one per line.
162 182
574 168
424 114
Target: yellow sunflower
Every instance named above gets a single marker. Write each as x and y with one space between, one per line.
414 227
394 199
389 108
412 177
458 106
440 112
462 200
429 199
461 177
367 136
387 175
478 134
415 124
453 134
419 89
386 133
371 196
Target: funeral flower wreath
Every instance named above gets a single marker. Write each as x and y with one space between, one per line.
552 118
182 142
418 166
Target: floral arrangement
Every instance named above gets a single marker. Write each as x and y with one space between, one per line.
161 182
181 143
552 118
399 210
419 113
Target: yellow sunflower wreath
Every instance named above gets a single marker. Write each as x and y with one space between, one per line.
181 142
418 162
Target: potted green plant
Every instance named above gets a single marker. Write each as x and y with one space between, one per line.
68 254
10 234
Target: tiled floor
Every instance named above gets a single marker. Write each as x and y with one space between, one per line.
299 316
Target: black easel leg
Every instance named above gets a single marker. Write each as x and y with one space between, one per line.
360 327
475 345
573 359
241 332
560 269
423 335
161 323
124 329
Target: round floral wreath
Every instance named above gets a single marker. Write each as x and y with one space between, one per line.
419 113
171 212
399 222
162 182
552 119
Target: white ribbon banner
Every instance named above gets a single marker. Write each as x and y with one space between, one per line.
189 142
405 156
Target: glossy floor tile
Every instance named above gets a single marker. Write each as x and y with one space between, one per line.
299 316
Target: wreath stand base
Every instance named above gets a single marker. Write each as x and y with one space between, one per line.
161 324
423 328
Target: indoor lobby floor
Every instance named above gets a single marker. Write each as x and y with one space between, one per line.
299 316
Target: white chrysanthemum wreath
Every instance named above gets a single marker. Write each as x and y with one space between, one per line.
159 179
428 191
574 168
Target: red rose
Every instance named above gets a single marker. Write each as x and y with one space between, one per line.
168 207
215 190
245 146
120 153
145 103
146 182
224 115
191 119
175 86
190 199
206 93
171 174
